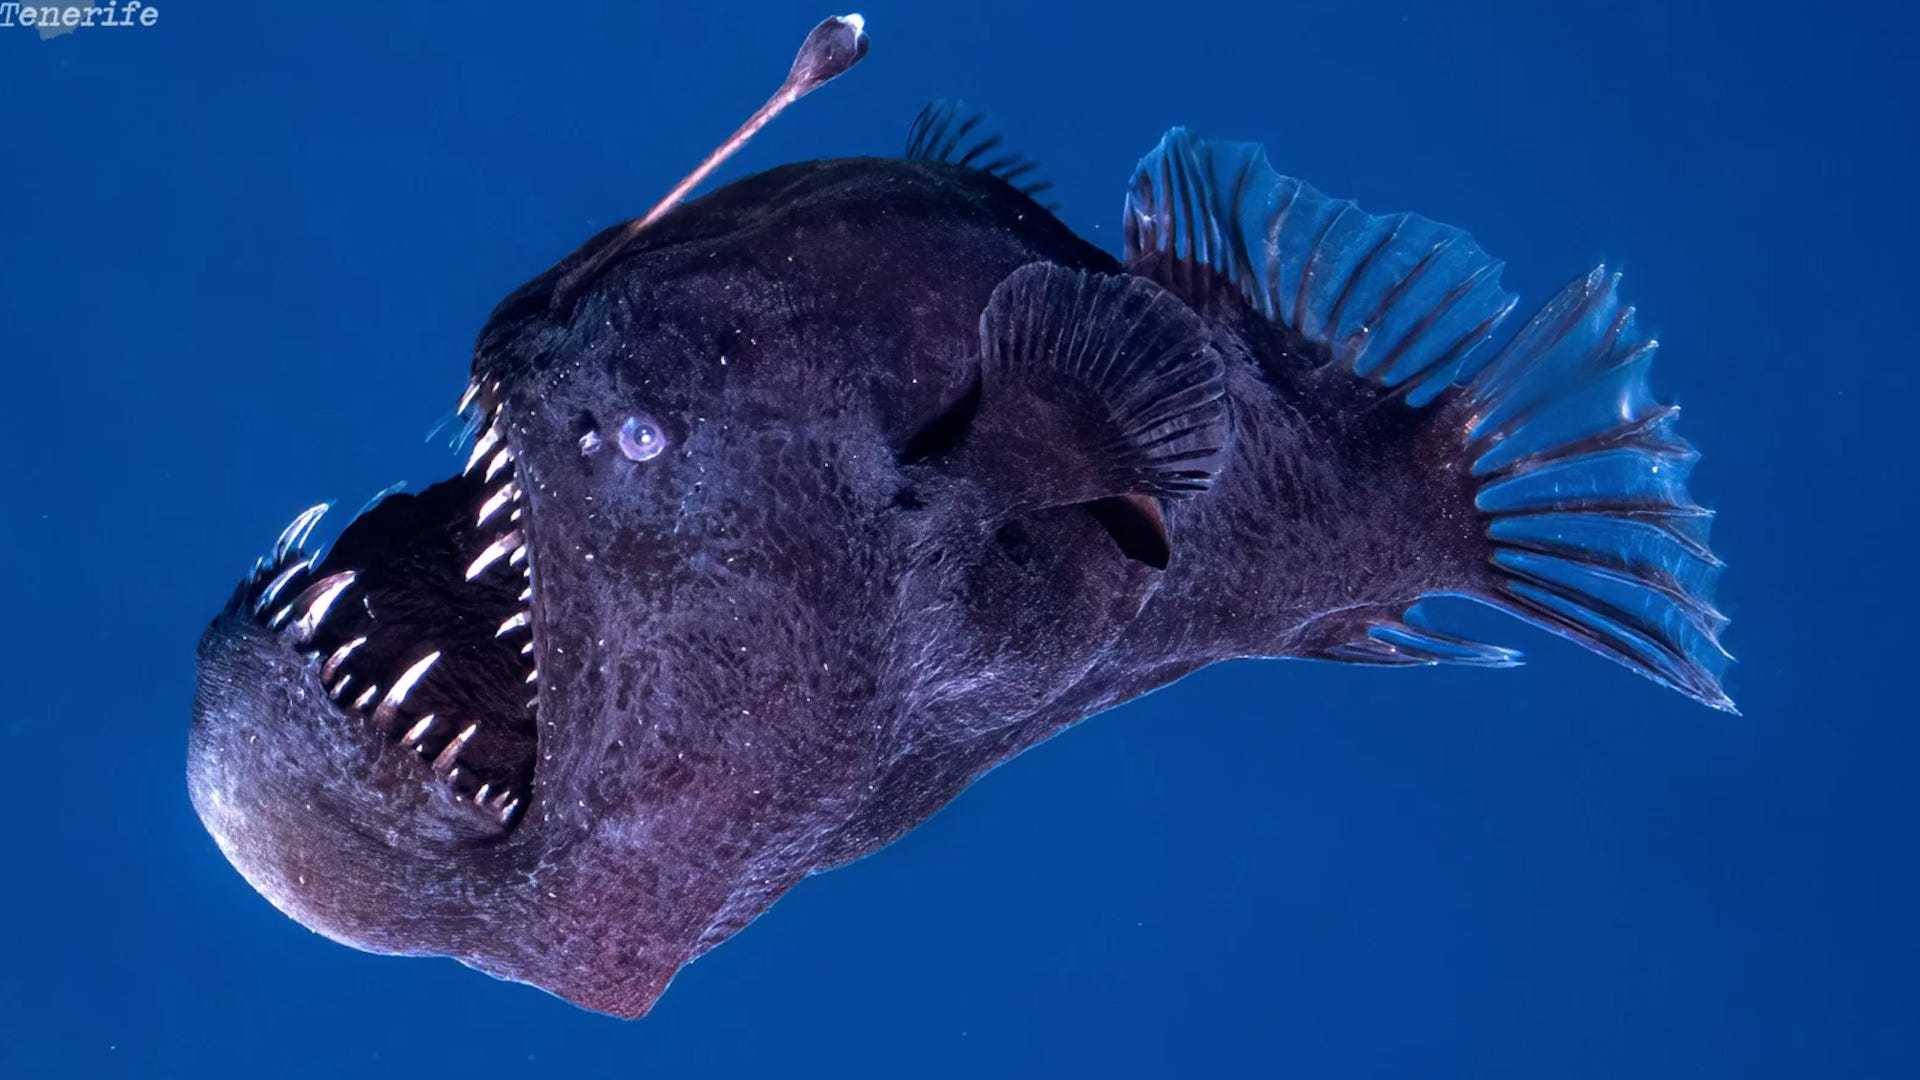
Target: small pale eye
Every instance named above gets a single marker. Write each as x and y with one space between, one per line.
641 439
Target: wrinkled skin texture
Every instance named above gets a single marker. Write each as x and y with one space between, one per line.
782 642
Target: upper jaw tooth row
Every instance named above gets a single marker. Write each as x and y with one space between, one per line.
303 615
509 542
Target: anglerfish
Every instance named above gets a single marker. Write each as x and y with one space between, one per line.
791 510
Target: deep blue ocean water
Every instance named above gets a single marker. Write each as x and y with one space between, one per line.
243 255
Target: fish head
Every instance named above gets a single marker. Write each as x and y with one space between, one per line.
717 560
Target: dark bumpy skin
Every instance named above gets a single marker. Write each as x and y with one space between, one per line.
790 636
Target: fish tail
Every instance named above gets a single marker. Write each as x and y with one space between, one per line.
1582 481
1578 477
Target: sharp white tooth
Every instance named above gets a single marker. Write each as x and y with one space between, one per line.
297 531
481 795
527 648
452 750
380 496
466 399
366 696
279 582
515 516
533 676
533 702
519 556
339 657
514 622
500 797
500 461
318 600
419 730
526 594
503 546
494 502
508 812
402 686
482 446
341 686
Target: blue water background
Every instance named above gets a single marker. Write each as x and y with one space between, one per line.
243 255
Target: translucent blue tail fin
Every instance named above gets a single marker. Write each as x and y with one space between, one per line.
1584 480
1581 476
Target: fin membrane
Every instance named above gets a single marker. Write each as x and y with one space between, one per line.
951 132
1093 386
1582 478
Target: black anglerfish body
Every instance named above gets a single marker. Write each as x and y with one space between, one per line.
792 514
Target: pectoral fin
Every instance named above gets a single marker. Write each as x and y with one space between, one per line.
1091 387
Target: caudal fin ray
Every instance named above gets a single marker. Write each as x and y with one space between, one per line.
1632 548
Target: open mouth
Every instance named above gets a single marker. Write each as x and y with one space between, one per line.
419 620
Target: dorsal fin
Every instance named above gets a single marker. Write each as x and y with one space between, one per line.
950 131
1398 299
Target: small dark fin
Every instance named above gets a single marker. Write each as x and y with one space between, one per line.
1582 479
949 131
1093 386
